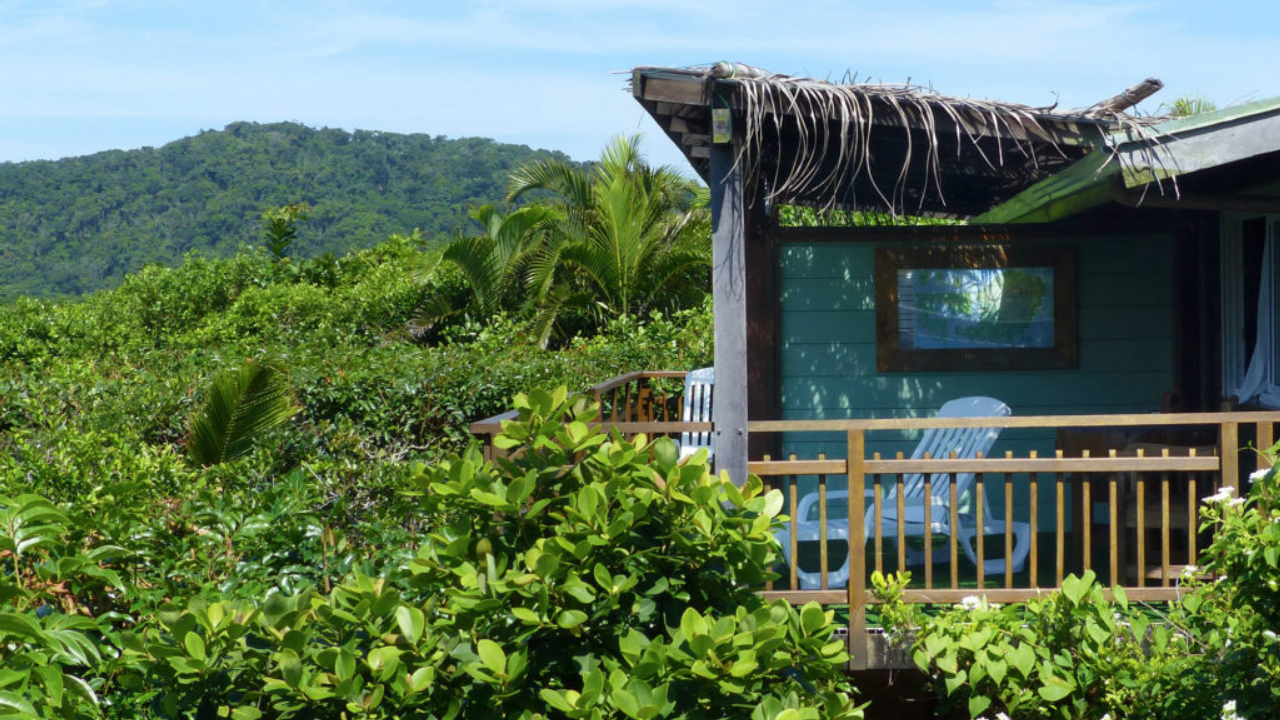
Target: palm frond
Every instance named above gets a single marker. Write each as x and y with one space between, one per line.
242 406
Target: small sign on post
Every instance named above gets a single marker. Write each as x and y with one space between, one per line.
721 126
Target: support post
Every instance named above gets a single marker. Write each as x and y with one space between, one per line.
729 295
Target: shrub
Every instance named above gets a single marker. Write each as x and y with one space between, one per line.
1076 654
586 576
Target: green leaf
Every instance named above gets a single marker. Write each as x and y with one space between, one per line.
812 618
52 677
492 656
345 664
411 622
1121 599
21 625
692 624
16 704
1056 688
1073 589
195 645
527 616
565 700
241 407
773 502
978 704
626 702
290 667
569 619
997 670
1023 659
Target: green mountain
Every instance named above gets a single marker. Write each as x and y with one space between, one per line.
72 226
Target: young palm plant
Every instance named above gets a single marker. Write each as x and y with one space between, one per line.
492 264
630 238
242 406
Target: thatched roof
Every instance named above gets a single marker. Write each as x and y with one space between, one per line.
889 148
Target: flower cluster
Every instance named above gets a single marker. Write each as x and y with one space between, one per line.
1226 496
1229 711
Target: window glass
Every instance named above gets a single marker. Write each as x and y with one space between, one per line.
956 308
944 307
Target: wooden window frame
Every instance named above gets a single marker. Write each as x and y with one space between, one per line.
891 358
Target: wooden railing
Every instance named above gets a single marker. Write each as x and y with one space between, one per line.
1149 493
1128 511
639 402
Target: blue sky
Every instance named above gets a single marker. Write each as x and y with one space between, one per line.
80 76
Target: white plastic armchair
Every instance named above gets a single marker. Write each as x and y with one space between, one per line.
938 443
698 407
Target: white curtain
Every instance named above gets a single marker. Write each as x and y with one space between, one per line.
1257 377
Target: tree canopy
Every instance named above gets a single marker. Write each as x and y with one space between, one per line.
76 225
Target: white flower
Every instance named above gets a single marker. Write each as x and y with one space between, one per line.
1257 475
970 602
1105 717
1229 711
1189 572
1224 494
1001 716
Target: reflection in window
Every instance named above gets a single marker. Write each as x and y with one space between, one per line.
958 308
948 307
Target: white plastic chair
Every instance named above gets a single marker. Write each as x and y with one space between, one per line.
938 443
697 407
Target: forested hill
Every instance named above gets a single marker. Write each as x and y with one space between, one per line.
72 226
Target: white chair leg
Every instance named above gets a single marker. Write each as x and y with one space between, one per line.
1021 546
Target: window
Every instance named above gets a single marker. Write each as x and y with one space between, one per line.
1251 321
980 307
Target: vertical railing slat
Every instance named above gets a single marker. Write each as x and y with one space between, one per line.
954 543
1140 521
1193 518
1165 546
793 495
1033 500
1229 452
1113 525
979 504
824 562
1060 519
901 525
1086 517
928 531
879 519
1008 528
857 551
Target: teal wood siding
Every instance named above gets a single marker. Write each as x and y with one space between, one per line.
828 353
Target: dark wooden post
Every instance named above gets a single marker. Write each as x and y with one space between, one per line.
729 294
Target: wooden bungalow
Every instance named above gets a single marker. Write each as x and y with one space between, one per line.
1115 284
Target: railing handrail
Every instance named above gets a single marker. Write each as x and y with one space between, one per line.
1015 421
1057 464
621 380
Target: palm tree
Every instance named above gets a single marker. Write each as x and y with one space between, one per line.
630 238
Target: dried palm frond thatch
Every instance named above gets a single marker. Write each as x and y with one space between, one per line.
825 141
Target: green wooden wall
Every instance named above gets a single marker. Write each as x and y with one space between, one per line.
828 355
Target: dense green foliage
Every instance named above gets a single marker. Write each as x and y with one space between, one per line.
1077 654
585 577
103 390
72 226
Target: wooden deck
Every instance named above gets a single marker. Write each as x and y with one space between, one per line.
1128 513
